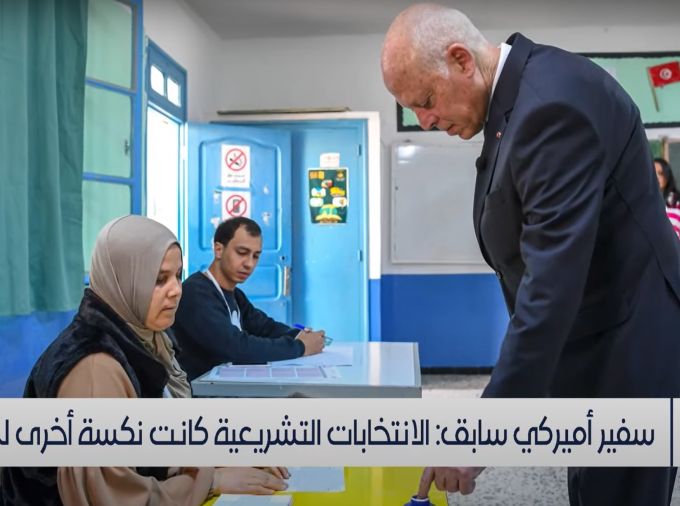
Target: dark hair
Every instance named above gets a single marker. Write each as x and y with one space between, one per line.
670 188
226 230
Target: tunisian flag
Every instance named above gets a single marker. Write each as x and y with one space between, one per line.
665 73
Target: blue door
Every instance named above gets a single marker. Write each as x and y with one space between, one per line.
329 268
243 171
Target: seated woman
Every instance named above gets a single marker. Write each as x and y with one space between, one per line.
116 346
671 196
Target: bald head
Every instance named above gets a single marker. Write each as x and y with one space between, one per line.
438 64
419 36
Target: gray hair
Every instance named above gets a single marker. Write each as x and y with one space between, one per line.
432 28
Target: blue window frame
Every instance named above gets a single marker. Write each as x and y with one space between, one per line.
112 171
134 93
166 95
163 75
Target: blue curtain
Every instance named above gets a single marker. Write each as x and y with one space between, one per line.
42 78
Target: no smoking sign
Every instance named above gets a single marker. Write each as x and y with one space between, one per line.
235 159
235 166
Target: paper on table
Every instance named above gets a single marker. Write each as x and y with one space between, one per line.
316 479
333 355
267 373
254 500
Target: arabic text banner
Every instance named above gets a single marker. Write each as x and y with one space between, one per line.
338 432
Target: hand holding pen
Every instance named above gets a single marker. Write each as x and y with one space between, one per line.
327 340
314 341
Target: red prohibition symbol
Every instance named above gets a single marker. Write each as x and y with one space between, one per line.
235 159
236 206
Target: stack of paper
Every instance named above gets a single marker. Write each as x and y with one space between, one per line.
254 500
302 479
335 355
316 479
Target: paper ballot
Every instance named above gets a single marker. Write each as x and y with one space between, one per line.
302 479
254 500
316 479
331 356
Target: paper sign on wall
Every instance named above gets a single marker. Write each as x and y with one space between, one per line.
235 166
235 204
329 160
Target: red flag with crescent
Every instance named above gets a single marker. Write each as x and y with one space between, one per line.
665 73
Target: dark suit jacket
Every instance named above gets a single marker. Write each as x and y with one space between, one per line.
568 213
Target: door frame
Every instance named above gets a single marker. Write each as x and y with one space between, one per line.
373 190
158 57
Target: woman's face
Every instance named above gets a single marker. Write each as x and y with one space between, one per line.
660 175
167 292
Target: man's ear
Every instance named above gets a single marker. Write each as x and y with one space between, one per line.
218 248
459 57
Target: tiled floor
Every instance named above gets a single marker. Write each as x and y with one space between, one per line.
544 486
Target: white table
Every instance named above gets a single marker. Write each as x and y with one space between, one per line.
378 370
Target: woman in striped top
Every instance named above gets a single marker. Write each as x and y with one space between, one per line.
671 196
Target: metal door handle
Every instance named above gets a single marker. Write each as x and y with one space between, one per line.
286 281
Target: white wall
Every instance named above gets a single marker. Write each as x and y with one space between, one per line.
340 71
187 38
332 71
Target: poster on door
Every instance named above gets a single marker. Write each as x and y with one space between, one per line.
328 195
235 163
235 205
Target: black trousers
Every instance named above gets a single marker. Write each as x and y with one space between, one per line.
621 486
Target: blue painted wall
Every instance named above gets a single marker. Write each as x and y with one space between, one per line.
22 340
459 320
374 309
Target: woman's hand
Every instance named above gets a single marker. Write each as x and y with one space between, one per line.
279 472
247 480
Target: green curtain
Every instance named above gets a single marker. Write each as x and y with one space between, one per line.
42 79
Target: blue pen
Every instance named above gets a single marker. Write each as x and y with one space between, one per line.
326 340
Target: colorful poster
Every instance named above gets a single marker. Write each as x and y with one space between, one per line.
328 195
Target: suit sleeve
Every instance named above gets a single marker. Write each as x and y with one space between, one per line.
556 164
203 318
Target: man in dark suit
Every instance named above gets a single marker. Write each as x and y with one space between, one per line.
567 213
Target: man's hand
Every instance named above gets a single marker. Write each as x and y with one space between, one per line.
313 341
450 479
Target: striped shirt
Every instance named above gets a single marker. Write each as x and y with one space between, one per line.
674 216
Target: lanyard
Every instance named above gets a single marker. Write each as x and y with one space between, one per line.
235 321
